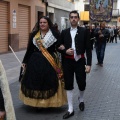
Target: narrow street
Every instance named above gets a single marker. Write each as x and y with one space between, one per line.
102 95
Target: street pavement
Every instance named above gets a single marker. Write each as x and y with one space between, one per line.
102 95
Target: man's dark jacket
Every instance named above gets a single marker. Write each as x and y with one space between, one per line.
82 42
105 33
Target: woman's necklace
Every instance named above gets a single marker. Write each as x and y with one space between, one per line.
42 35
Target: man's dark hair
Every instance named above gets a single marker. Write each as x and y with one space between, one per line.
75 12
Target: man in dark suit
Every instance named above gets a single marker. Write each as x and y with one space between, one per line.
73 43
115 33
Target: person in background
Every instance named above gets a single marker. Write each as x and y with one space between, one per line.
115 33
119 32
92 37
111 31
56 28
101 35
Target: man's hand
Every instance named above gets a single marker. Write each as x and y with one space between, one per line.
62 47
101 35
70 51
87 69
2 114
23 66
99 32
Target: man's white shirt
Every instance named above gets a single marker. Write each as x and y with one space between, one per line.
73 32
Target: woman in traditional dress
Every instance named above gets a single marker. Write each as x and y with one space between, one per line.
41 84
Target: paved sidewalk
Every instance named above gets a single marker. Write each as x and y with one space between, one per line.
11 64
102 95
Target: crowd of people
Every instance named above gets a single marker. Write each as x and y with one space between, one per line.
46 81
100 35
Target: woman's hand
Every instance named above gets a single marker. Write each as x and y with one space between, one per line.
2 114
23 66
70 51
62 47
99 32
87 68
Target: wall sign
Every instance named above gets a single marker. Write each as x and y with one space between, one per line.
14 19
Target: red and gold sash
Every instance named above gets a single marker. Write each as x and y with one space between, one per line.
48 56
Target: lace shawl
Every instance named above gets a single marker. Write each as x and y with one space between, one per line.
48 40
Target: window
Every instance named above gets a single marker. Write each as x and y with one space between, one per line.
86 7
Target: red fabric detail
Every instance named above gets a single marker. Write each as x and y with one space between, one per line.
72 56
82 56
69 56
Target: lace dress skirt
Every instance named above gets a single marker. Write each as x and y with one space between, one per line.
40 86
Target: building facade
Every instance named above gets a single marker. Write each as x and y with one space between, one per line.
58 11
115 13
83 7
17 18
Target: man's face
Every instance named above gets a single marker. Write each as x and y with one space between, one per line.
74 19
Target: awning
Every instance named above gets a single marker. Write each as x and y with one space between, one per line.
84 16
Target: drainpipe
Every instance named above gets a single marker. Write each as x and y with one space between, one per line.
46 5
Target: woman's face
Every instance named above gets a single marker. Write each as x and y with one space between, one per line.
43 24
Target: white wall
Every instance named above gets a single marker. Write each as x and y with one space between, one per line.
118 7
114 5
118 4
79 6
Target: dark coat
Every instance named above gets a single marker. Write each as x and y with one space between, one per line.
2 108
105 32
82 42
31 48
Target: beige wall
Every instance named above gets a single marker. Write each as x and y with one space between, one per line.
14 6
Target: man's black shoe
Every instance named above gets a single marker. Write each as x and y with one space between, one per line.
97 63
82 106
68 114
